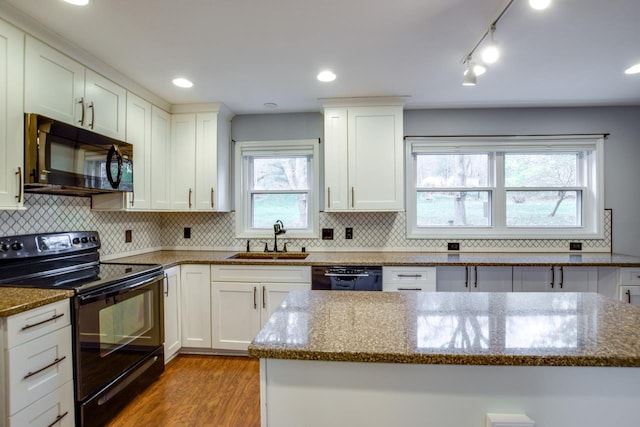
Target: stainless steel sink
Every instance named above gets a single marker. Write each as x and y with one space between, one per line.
269 255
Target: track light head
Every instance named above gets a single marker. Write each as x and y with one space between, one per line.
539 4
469 74
491 53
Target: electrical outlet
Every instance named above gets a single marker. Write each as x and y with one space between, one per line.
575 246
453 246
348 233
187 232
327 234
127 236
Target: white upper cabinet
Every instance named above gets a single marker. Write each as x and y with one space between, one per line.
200 161
363 156
11 117
139 134
56 86
159 153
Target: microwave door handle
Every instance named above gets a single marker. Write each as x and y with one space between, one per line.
114 151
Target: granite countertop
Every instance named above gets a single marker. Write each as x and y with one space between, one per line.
169 258
17 300
532 329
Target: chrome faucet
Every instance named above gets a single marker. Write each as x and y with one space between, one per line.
278 228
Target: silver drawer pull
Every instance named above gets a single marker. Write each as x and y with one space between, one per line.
414 276
409 289
58 419
28 326
54 363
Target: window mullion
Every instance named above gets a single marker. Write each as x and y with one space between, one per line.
499 200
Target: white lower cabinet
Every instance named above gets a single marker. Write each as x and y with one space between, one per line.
409 279
474 279
172 313
37 367
629 285
555 279
195 303
242 301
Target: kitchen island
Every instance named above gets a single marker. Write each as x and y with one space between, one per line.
447 359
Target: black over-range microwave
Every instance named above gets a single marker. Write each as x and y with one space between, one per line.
64 159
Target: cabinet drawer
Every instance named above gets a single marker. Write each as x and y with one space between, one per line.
37 368
260 273
409 278
37 322
56 408
630 276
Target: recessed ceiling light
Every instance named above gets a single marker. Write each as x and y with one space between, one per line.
182 82
326 76
271 105
634 69
539 4
77 2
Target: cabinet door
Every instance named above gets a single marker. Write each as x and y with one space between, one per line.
577 279
183 160
139 134
452 279
172 313
236 314
107 104
206 161
54 83
630 294
533 279
160 165
11 117
492 279
273 294
375 158
336 177
195 301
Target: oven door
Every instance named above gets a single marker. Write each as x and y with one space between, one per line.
116 327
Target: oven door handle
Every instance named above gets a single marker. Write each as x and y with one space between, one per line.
117 289
346 275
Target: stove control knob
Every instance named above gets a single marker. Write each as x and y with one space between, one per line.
4 247
76 240
93 239
84 239
16 246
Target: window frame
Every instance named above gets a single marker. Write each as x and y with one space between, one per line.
244 151
591 185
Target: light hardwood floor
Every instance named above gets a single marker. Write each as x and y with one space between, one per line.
199 391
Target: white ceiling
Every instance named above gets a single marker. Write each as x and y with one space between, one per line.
249 52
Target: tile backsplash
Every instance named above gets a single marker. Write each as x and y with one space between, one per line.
154 230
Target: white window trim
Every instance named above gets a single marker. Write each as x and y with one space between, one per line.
593 189
242 195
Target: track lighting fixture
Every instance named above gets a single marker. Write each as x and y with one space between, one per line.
470 73
491 53
539 4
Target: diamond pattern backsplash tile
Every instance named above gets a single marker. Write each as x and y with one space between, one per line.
153 230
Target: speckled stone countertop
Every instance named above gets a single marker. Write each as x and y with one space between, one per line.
169 258
531 329
17 300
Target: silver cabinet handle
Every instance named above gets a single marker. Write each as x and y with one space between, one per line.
44 368
328 197
82 116
353 196
255 300
166 285
264 300
93 115
414 276
57 420
20 185
212 193
190 191
409 289
553 276
33 325
629 296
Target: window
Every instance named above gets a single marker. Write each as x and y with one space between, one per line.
277 180
533 187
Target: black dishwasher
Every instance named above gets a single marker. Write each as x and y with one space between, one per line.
335 278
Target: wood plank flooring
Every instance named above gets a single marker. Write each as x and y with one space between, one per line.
199 391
